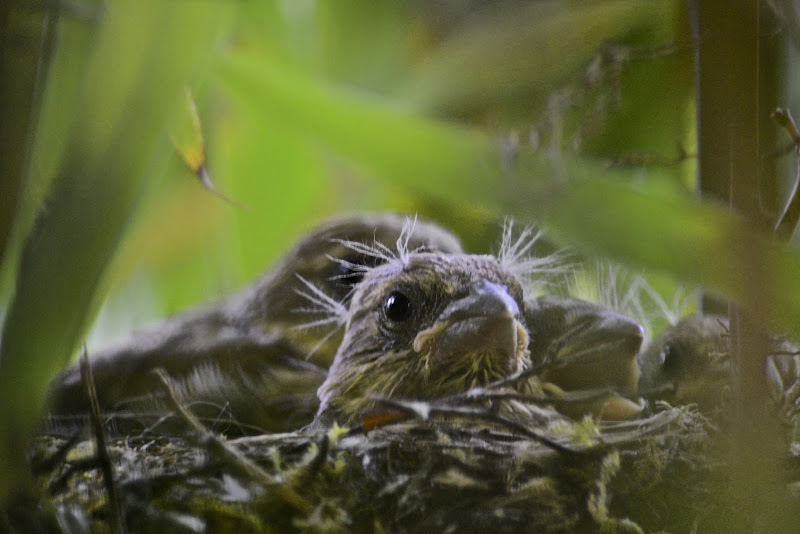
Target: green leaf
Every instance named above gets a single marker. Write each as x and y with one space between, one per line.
505 53
616 213
143 53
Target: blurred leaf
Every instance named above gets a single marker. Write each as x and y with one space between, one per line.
26 33
367 44
278 174
515 49
129 87
605 211
156 242
358 125
186 135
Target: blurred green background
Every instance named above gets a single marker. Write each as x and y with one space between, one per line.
575 115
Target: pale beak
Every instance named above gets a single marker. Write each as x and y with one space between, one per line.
486 322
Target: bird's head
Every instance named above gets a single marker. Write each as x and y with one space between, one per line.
427 325
295 300
693 358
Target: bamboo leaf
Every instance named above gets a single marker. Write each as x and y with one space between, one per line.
187 138
610 212
144 51
512 51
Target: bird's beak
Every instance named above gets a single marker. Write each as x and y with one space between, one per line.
485 323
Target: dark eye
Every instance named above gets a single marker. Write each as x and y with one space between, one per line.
397 307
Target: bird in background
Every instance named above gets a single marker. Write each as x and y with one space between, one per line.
693 359
259 355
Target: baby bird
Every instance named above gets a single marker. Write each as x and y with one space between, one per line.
262 353
693 357
582 347
424 326
429 325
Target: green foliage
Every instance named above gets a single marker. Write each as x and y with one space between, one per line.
117 117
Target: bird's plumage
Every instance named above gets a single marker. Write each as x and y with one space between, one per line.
258 356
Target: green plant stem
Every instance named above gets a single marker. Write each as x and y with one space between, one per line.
731 110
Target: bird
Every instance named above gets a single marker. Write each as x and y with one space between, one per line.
427 325
693 358
582 346
259 355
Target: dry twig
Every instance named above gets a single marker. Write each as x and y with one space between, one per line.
117 522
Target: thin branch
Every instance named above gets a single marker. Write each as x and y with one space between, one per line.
787 222
569 397
423 410
106 467
784 118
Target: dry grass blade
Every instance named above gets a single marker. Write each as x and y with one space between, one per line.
117 515
447 408
238 462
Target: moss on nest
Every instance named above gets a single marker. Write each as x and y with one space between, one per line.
443 474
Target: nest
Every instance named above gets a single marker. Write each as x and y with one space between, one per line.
434 470
454 464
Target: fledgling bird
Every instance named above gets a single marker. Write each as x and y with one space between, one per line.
583 346
693 357
428 325
261 354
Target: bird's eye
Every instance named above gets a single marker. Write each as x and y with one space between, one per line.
397 307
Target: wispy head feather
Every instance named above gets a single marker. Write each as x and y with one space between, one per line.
377 250
673 311
333 312
614 287
351 271
322 304
516 254
402 241
627 293
380 251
